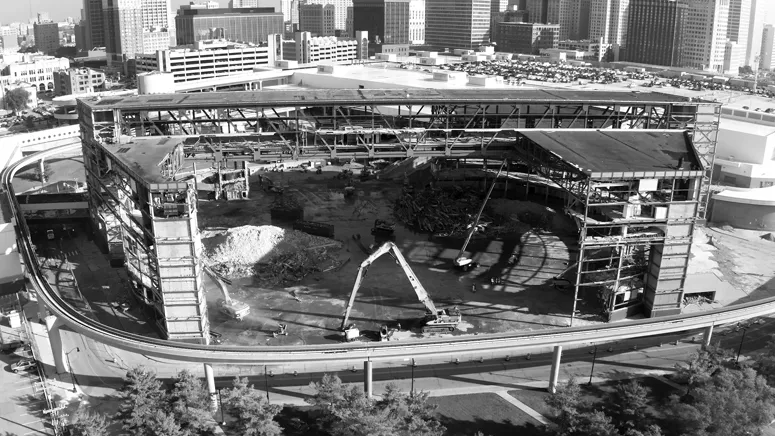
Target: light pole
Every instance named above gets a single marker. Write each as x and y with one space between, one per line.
72 373
266 384
411 392
220 401
742 338
591 371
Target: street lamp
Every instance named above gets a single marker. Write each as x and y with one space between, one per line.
413 365
742 338
220 401
72 373
266 384
592 371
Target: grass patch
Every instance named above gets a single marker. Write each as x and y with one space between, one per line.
534 399
488 413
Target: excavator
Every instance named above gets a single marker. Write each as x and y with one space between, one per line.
435 320
233 308
462 262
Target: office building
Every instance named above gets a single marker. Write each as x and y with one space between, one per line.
738 27
47 37
43 17
593 50
37 70
307 49
134 26
78 81
386 21
207 4
317 19
207 59
512 15
655 32
528 38
761 13
608 21
340 10
417 22
705 38
457 24
245 25
94 24
766 56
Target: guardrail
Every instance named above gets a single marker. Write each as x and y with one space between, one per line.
344 355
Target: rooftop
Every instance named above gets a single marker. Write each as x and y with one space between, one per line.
601 152
142 157
311 97
746 127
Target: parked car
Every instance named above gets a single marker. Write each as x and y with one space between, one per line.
11 345
24 365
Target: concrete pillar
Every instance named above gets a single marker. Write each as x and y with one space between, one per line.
41 309
367 378
555 374
211 387
42 169
706 335
260 85
53 325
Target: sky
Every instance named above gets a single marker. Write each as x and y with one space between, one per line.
58 9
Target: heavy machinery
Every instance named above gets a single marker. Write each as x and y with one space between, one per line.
383 228
233 308
462 262
435 320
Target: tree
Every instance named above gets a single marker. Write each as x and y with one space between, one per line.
745 70
703 364
567 403
44 174
764 363
254 415
161 423
16 99
88 423
190 404
595 423
731 402
141 396
627 406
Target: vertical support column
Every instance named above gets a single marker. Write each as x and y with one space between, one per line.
211 387
42 169
41 309
53 325
706 335
555 374
367 378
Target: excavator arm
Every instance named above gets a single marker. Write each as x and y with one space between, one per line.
388 247
461 255
219 282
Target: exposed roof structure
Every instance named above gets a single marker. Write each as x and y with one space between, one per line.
311 97
603 153
143 157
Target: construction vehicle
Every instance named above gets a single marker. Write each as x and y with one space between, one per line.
349 190
462 262
382 228
232 308
435 320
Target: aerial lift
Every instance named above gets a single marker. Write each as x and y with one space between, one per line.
435 320
462 262
233 308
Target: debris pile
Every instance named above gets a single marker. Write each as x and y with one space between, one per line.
400 169
272 253
446 211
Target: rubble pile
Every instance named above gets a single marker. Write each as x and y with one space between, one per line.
267 251
444 211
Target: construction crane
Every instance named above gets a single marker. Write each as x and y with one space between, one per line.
233 308
435 319
461 261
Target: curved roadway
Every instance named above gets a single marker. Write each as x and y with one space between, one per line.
345 355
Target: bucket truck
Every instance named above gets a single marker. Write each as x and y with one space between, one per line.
233 308
435 319
462 262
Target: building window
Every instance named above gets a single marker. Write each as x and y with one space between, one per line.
765 184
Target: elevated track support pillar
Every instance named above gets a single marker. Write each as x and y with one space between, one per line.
53 326
367 378
211 386
706 335
555 374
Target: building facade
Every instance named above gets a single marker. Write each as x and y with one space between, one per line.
94 24
36 70
134 26
528 38
706 34
207 59
245 25
655 32
317 19
461 24
47 37
608 20
78 81
417 22
767 46
307 49
386 21
340 10
761 13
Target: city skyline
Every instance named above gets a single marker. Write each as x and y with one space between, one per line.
59 10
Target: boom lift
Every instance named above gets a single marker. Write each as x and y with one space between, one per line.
233 308
434 320
461 261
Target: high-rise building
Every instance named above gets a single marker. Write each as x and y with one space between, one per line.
386 21
43 17
463 24
608 21
78 81
135 26
318 20
340 10
528 38
248 25
655 32
767 47
47 37
305 48
94 24
705 38
417 22
204 4
738 26
761 13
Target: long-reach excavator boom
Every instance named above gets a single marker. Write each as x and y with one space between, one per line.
461 260
388 247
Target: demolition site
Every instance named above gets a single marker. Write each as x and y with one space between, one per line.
283 217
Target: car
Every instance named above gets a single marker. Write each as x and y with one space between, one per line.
24 365
11 345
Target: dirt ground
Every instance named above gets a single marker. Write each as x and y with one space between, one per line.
523 301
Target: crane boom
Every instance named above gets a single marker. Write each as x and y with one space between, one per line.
388 247
471 231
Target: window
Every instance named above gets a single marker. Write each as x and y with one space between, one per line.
765 184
